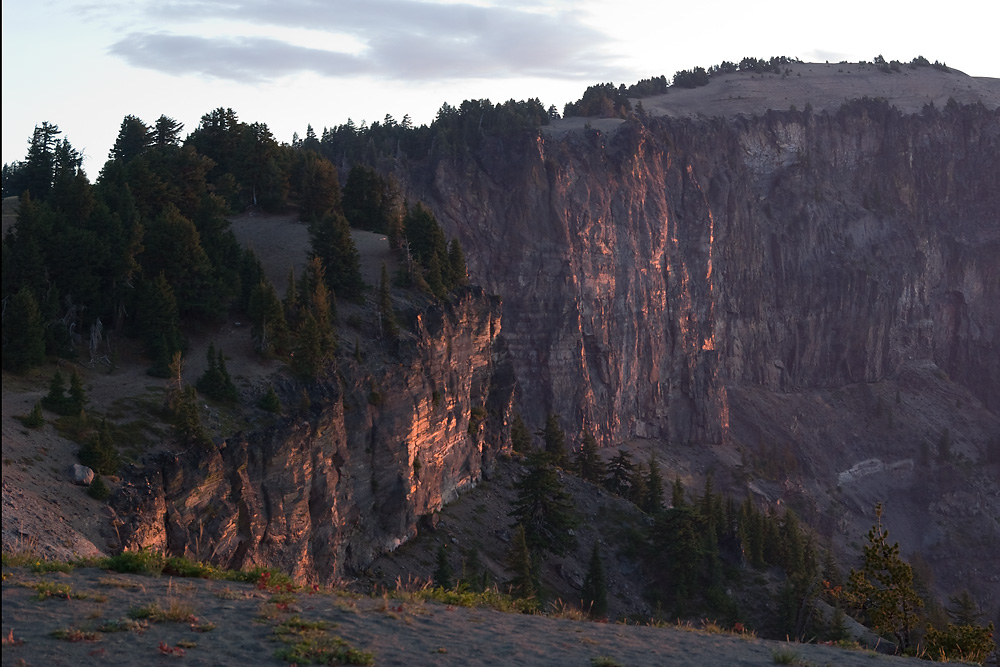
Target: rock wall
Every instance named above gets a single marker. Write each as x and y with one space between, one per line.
320 494
645 270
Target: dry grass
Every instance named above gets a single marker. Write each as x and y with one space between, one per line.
173 611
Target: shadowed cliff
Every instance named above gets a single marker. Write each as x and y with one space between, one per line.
646 269
348 477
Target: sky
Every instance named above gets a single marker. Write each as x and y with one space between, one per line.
86 64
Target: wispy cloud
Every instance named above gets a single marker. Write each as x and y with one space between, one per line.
402 39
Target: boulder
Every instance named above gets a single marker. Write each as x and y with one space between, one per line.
81 475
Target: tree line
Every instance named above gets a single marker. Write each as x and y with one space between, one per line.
697 548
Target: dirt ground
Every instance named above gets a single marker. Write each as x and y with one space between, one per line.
225 623
822 85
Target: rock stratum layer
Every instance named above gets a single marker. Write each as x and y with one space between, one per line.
322 493
646 269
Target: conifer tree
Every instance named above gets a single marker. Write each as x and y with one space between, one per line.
474 576
637 490
457 271
424 235
619 479
99 452
588 461
443 571
56 400
332 242
520 438
883 588
524 565
313 350
216 382
595 590
679 549
98 489
555 441
543 508
654 489
270 401
182 404
77 399
268 326
23 331
963 609
677 493
187 419
435 278
291 303
33 419
319 188
158 320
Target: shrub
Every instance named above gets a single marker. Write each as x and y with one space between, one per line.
33 419
269 401
98 489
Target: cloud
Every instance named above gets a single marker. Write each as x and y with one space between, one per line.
403 39
242 59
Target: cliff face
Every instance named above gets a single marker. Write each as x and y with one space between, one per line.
645 270
324 492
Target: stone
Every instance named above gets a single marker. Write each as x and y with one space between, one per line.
81 474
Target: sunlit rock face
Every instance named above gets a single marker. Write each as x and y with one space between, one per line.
645 270
318 495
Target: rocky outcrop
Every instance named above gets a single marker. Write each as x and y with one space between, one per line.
319 494
645 270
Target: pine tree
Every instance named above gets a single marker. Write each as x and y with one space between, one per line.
311 352
319 188
637 490
99 453
883 588
77 399
187 419
23 332
443 571
332 242
524 564
34 419
544 508
268 326
679 549
588 461
56 400
158 321
424 235
435 278
654 489
216 382
619 479
520 438
474 576
457 271
555 441
98 489
269 401
291 303
963 609
677 493
181 403
595 592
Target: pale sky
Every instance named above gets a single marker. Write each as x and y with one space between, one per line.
85 64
